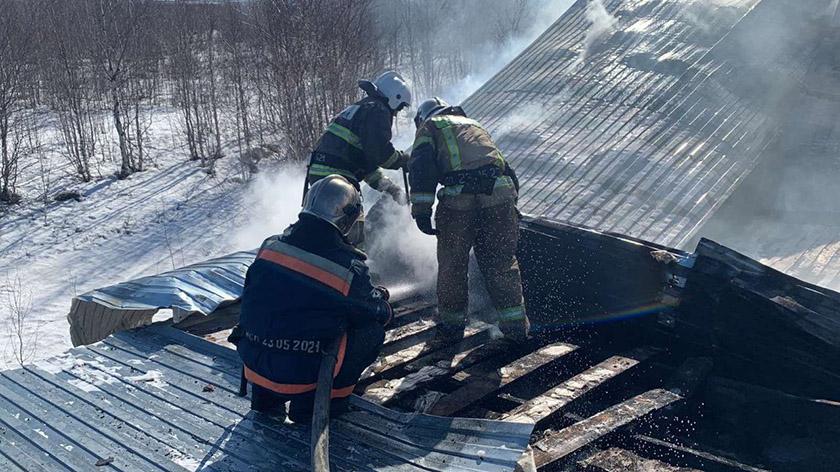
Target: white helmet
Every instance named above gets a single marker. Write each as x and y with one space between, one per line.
393 87
427 109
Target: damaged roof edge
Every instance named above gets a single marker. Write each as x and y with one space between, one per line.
199 288
205 287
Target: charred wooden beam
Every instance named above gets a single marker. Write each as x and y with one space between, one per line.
429 368
621 460
700 459
552 401
593 274
474 335
482 380
558 445
739 312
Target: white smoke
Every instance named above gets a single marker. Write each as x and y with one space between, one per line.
273 201
400 255
601 23
548 11
522 116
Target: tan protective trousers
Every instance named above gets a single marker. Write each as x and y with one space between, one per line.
493 233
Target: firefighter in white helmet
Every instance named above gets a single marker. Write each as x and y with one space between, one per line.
357 142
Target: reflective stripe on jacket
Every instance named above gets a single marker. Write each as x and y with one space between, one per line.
450 142
300 293
357 143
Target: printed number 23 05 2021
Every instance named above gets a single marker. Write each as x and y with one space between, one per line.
300 345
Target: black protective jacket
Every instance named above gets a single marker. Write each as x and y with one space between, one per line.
357 143
304 289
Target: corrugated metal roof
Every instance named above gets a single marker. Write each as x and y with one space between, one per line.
652 130
198 288
787 212
161 399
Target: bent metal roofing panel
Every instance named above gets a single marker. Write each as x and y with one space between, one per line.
641 118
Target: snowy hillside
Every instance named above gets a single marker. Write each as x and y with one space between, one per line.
169 216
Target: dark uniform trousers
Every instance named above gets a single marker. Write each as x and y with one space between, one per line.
306 288
363 344
493 233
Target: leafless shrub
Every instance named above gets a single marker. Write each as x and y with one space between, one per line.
17 304
255 72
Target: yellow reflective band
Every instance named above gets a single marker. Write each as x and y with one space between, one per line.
503 181
423 140
345 134
391 160
500 159
320 170
452 146
374 177
513 313
418 197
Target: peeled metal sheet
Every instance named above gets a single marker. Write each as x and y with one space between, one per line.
160 399
643 118
199 288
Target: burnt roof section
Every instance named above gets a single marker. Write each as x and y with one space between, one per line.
646 129
161 399
787 212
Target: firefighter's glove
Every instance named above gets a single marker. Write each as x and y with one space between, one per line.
397 193
424 224
382 311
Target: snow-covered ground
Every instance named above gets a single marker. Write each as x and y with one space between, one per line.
168 216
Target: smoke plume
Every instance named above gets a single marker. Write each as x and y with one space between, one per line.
601 23
546 12
273 201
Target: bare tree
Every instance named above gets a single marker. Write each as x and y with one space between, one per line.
259 72
16 70
193 69
72 93
117 31
237 73
313 52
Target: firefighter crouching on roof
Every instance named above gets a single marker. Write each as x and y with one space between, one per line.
476 210
357 142
305 288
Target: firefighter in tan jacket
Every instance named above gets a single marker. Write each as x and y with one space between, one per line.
476 210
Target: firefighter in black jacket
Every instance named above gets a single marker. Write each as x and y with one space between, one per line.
357 142
305 288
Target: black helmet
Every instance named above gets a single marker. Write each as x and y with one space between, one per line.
427 109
